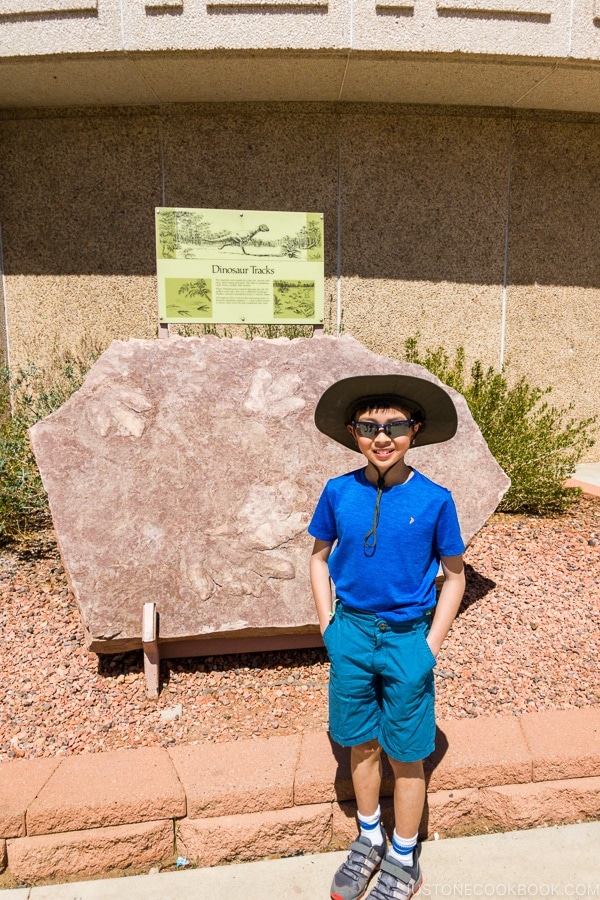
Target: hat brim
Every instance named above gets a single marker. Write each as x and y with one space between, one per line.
332 411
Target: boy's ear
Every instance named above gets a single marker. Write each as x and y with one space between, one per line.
351 430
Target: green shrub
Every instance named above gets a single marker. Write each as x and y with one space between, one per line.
537 445
25 398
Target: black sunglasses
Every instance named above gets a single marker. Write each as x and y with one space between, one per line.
396 429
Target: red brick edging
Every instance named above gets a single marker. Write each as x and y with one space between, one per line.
84 815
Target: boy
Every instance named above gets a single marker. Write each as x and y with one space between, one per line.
392 527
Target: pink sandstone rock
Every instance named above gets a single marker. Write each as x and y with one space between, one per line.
3 855
20 782
238 777
100 789
564 743
515 806
90 852
185 471
478 752
299 829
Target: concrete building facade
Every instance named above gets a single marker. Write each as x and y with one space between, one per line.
453 146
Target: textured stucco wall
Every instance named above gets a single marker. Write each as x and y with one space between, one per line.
553 311
421 195
424 206
78 197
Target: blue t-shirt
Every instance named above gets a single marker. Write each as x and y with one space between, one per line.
417 525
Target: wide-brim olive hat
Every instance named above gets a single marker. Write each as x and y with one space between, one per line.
336 404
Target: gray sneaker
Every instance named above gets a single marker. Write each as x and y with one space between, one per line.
398 882
352 878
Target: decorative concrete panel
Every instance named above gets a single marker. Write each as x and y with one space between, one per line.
18 7
164 6
306 4
238 25
585 34
286 832
394 4
245 776
497 29
516 7
512 29
34 28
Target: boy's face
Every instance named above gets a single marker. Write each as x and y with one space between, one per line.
380 450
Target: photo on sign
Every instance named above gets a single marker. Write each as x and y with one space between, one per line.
293 299
189 297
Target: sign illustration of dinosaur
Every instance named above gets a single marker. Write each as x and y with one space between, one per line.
236 240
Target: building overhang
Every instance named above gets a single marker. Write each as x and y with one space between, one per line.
159 78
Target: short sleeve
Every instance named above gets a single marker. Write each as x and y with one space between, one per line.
448 537
322 525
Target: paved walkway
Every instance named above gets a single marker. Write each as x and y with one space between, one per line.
587 477
589 473
561 861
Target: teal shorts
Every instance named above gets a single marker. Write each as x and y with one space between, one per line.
381 683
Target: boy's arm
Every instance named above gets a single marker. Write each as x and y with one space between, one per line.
451 594
319 581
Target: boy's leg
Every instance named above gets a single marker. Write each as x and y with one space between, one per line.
400 875
407 733
351 880
409 796
354 711
365 764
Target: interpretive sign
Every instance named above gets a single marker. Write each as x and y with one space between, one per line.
238 266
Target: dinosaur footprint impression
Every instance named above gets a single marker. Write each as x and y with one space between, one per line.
273 397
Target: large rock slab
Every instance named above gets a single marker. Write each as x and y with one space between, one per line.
185 471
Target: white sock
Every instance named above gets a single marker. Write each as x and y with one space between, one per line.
402 848
370 827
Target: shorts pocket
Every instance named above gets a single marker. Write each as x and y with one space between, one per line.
429 657
327 635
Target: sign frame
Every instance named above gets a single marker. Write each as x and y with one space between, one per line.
218 266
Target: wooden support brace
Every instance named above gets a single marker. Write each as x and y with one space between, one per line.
150 647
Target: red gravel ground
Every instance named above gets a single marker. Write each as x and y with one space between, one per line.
527 638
